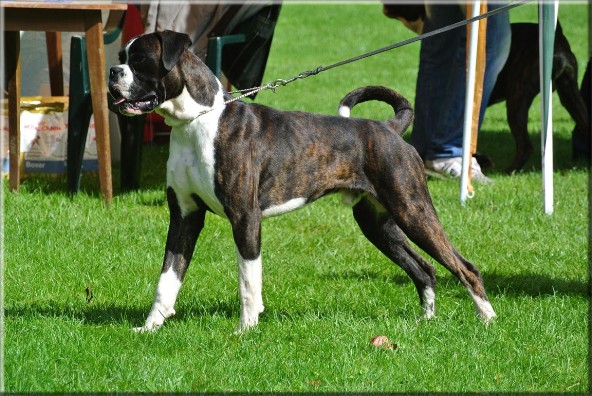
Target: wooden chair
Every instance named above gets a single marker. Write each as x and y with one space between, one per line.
80 106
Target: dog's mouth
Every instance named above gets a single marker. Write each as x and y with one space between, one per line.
143 105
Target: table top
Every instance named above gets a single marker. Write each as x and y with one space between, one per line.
55 15
64 5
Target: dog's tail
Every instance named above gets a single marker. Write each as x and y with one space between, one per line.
403 111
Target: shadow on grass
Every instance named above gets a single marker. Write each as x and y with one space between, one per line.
113 315
500 147
533 285
57 184
523 285
367 275
496 285
104 315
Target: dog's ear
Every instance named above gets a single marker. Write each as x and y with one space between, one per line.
173 45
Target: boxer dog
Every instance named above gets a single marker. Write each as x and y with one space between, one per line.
245 162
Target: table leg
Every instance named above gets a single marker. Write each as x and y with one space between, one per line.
53 41
12 42
98 88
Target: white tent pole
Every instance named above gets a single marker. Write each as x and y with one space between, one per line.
547 22
469 97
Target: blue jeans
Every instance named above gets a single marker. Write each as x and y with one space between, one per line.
441 80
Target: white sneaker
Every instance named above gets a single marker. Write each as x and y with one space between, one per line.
446 168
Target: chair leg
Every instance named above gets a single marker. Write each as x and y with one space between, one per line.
79 115
132 134
79 112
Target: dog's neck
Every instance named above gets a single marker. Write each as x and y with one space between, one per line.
184 109
201 97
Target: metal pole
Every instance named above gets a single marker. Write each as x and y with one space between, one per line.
547 22
469 98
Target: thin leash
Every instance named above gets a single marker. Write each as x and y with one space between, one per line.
275 84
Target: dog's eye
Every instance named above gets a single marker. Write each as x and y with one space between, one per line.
137 58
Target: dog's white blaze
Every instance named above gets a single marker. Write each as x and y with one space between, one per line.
483 308
129 44
126 82
250 284
128 76
190 168
344 111
164 301
288 206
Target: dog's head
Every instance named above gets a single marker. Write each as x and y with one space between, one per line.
148 74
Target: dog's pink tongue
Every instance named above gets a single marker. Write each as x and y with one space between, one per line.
119 101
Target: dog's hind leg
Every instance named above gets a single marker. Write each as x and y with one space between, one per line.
383 232
182 237
565 80
420 223
247 237
571 98
406 198
517 106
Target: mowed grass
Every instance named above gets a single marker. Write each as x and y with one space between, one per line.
78 275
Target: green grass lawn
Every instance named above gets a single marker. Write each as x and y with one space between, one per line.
77 276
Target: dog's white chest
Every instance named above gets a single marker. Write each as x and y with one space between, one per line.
190 168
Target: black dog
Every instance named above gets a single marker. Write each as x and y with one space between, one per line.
519 83
245 162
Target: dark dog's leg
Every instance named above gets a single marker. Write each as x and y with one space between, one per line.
565 80
247 236
182 236
424 229
383 232
571 98
582 134
517 106
407 199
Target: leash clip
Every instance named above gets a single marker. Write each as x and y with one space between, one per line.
280 82
310 72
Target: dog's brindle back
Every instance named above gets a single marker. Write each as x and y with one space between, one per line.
265 162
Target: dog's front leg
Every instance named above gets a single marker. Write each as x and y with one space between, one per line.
182 236
247 236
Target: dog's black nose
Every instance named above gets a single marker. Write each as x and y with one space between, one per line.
115 71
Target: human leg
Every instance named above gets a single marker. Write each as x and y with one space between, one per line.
497 49
442 148
436 62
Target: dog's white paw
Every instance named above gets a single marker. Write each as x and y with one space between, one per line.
155 319
145 329
487 316
150 326
245 325
249 318
484 310
428 314
429 303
